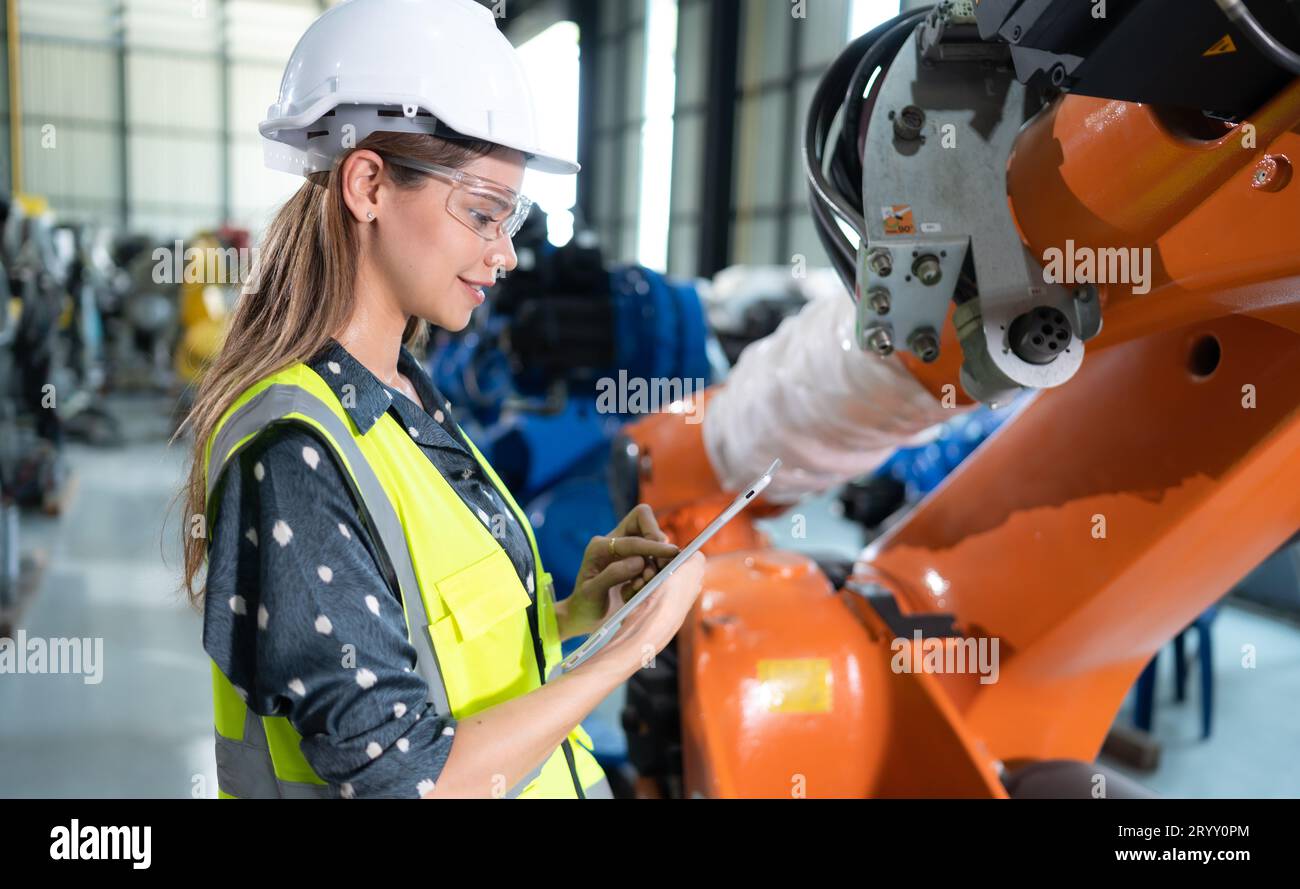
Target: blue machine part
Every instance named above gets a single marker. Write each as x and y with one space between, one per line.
565 518
660 333
922 468
536 451
475 375
660 329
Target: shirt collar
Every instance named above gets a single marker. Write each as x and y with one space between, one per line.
366 398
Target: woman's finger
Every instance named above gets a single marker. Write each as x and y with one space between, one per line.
648 524
603 551
618 572
641 546
640 521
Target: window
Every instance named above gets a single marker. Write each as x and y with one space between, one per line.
657 133
551 60
866 14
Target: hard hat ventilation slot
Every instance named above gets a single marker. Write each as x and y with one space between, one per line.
392 112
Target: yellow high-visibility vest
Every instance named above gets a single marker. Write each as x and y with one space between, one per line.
478 639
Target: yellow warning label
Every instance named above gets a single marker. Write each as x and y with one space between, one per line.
796 685
1223 46
898 219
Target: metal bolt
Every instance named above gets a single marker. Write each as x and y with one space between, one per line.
879 340
878 300
880 262
908 123
927 269
1272 173
924 343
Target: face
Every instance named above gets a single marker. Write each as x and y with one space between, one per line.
434 265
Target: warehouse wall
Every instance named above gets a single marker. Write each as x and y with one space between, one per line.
144 113
783 57
619 96
783 48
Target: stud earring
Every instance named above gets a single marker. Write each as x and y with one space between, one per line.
370 215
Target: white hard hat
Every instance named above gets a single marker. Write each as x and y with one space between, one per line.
406 66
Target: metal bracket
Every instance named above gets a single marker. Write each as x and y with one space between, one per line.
937 184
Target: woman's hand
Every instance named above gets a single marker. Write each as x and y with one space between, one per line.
649 628
614 567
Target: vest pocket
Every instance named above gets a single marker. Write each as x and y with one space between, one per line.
483 643
482 595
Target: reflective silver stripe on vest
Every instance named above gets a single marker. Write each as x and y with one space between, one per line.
528 779
599 790
279 400
244 768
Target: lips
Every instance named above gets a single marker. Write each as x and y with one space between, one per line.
475 289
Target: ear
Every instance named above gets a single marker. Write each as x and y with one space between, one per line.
362 173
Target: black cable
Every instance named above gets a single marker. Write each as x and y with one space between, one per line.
842 196
881 53
821 113
837 247
1265 42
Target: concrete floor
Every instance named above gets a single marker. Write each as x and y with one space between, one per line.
146 729
1254 744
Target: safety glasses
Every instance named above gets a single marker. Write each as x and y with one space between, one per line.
488 209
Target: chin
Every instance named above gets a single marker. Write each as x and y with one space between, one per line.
456 324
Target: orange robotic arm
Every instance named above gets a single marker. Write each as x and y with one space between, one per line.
1121 502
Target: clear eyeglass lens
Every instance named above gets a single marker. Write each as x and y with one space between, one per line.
490 215
517 218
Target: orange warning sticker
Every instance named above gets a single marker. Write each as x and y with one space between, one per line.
1222 47
898 219
795 685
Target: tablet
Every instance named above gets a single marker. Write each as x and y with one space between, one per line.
607 630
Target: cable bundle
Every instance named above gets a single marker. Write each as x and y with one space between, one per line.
836 192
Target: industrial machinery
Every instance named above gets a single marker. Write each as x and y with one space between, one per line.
38 265
208 295
143 326
1014 173
91 282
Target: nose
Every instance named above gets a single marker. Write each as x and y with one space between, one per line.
501 254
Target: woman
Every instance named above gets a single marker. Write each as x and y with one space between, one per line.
375 609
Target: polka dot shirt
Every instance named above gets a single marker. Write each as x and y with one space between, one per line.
298 614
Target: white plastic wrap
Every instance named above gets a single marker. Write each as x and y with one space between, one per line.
809 395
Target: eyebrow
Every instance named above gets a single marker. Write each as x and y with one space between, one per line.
493 197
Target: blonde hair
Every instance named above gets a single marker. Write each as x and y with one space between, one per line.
299 294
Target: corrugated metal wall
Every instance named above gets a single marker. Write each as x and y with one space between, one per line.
784 48
143 113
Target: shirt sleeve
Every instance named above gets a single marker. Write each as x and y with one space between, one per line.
299 616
